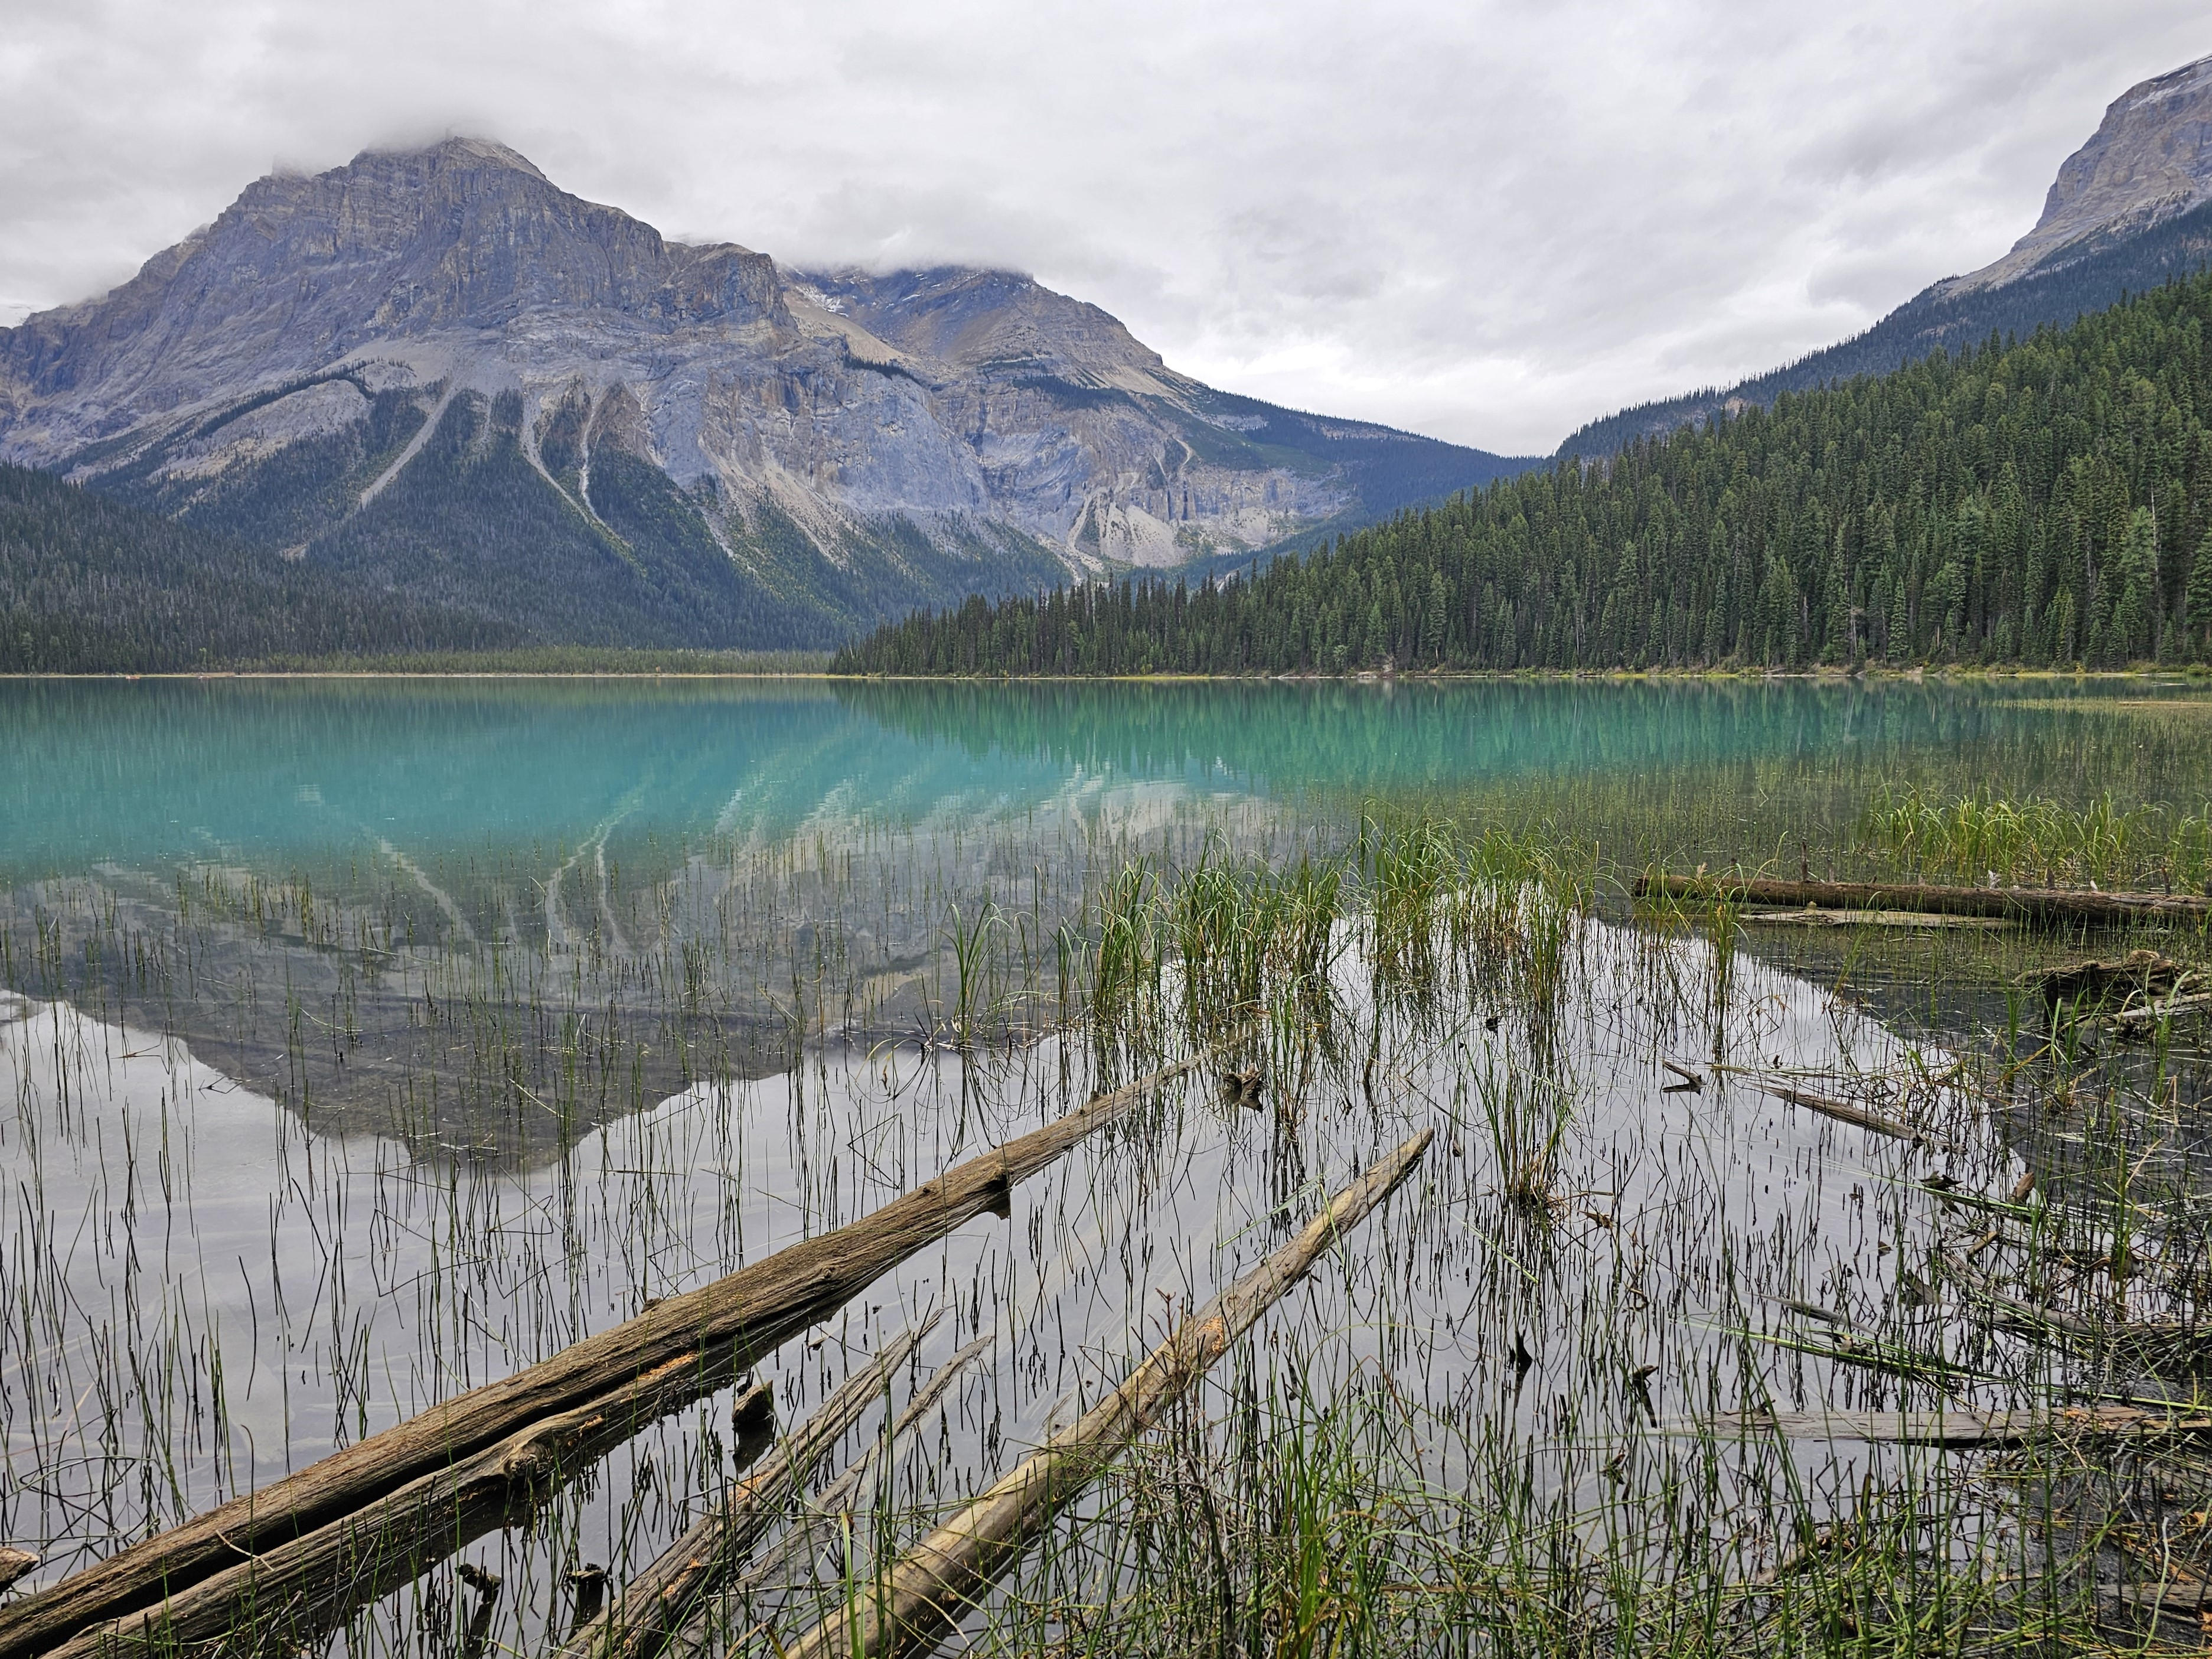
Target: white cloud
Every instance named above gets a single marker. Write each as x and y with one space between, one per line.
1489 221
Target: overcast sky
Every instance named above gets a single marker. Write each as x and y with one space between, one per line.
1489 221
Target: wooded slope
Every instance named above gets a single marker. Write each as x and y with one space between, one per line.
2039 501
91 585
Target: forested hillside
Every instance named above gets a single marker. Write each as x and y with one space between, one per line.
2040 500
2095 276
91 585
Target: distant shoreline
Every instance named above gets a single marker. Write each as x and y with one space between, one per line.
1673 676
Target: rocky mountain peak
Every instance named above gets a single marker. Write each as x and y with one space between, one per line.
1004 321
2149 160
464 151
436 368
2129 210
300 271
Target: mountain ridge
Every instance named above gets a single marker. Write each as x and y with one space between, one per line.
853 443
2128 210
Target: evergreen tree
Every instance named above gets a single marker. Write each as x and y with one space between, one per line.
2198 601
2132 579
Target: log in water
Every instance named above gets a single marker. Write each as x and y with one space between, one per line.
294 1596
658 1599
2036 904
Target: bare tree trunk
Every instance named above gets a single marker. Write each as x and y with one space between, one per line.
656 1601
805 1537
300 1591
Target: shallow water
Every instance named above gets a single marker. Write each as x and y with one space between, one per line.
294 776
367 1041
292 1291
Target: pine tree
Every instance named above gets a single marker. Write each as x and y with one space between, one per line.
2200 600
2133 577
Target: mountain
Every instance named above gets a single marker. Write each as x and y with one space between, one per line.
2039 500
92 584
434 372
2129 210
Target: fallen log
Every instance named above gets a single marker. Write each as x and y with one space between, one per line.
297 1594
1980 1285
1960 1426
1811 916
2091 983
2041 905
2144 1336
753 1311
1842 1110
655 1603
2186 1601
2150 1013
933 1583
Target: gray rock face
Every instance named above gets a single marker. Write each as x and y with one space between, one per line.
301 273
279 371
2149 160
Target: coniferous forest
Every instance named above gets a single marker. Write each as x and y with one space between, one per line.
89 586
2045 501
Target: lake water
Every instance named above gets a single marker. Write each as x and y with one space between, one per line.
305 777
364 1040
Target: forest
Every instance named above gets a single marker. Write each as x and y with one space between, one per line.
2037 501
88 585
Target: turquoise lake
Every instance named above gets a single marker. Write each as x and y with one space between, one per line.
271 774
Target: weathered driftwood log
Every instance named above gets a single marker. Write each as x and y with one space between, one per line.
2144 1337
656 1601
1842 1110
752 1311
1812 917
2187 1600
1958 1426
940 1578
298 1592
1980 1285
2034 904
2091 983
2150 1013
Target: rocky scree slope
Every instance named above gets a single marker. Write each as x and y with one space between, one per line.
437 372
2129 210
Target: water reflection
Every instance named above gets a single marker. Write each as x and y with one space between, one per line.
496 912
281 774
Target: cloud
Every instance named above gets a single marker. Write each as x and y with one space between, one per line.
1489 221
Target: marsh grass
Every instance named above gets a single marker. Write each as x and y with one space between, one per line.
2037 841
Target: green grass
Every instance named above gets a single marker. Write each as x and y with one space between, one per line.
554 660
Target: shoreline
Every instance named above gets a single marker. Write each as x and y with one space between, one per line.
2193 673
